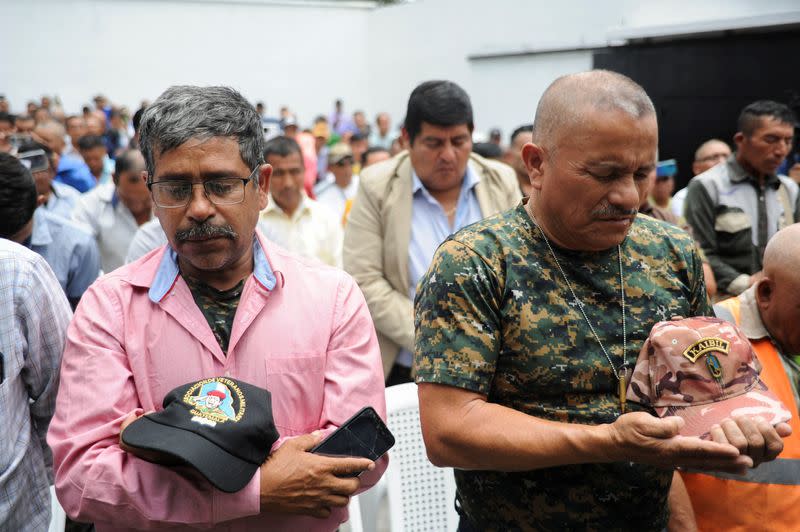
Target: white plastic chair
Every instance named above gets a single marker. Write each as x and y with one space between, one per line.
58 517
354 522
421 495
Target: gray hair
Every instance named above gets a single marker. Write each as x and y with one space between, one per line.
563 103
185 112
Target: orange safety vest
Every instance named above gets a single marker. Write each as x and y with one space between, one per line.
767 497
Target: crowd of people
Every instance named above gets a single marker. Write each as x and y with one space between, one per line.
202 244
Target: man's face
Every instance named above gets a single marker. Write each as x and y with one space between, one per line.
342 170
43 180
6 129
94 159
709 156
76 128
358 147
94 125
767 147
590 187
210 237
513 158
286 183
212 401
41 115
25 125
4 105
783 313
440 154
359 120
376 157
290 131
132 189
383 123
662 189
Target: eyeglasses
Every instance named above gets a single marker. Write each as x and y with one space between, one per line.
712 157
171 194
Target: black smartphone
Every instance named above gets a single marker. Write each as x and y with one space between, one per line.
364 435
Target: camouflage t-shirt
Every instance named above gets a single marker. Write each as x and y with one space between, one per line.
218 307
494 316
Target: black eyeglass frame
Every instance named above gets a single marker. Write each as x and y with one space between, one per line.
252 177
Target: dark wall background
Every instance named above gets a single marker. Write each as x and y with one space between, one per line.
699 86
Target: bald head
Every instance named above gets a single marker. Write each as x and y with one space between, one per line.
565 101
710 153
778 292
783 252
52 134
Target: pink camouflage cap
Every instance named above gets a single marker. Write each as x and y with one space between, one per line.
703 370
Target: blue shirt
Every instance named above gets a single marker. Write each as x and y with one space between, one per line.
74 172
430 227
69 250
34 315
62 199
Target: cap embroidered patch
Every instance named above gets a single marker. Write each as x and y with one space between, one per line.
213 401
706 345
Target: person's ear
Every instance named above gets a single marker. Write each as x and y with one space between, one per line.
738 138
406 141
765 292
533 156
264 173
40 200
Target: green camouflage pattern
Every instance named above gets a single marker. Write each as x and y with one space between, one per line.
494 316
218 307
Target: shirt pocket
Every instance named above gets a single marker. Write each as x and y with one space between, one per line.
296 385
734 231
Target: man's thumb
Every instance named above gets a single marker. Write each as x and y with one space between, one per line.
666 427
306 442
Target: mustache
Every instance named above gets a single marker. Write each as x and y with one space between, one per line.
205 230
610 211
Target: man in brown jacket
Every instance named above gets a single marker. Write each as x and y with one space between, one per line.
408 205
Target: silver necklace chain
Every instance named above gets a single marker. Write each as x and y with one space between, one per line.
580 303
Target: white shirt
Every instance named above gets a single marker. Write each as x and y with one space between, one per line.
334 197
148 237
312 231
110 222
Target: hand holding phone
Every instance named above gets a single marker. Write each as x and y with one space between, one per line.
364 435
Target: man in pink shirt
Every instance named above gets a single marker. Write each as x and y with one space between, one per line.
217 300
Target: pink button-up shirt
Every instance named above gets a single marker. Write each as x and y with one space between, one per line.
302 330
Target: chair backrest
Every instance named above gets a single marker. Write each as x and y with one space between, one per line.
354 522
421 495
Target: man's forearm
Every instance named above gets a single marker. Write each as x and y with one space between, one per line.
503 439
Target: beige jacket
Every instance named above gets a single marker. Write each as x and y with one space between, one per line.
378 234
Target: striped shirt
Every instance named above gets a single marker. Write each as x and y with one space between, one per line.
34 315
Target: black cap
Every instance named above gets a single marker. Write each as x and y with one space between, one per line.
221 427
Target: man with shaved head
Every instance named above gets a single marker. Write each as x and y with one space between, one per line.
709 154
769 314
71 170
528 322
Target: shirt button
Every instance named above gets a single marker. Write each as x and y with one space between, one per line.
227 373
